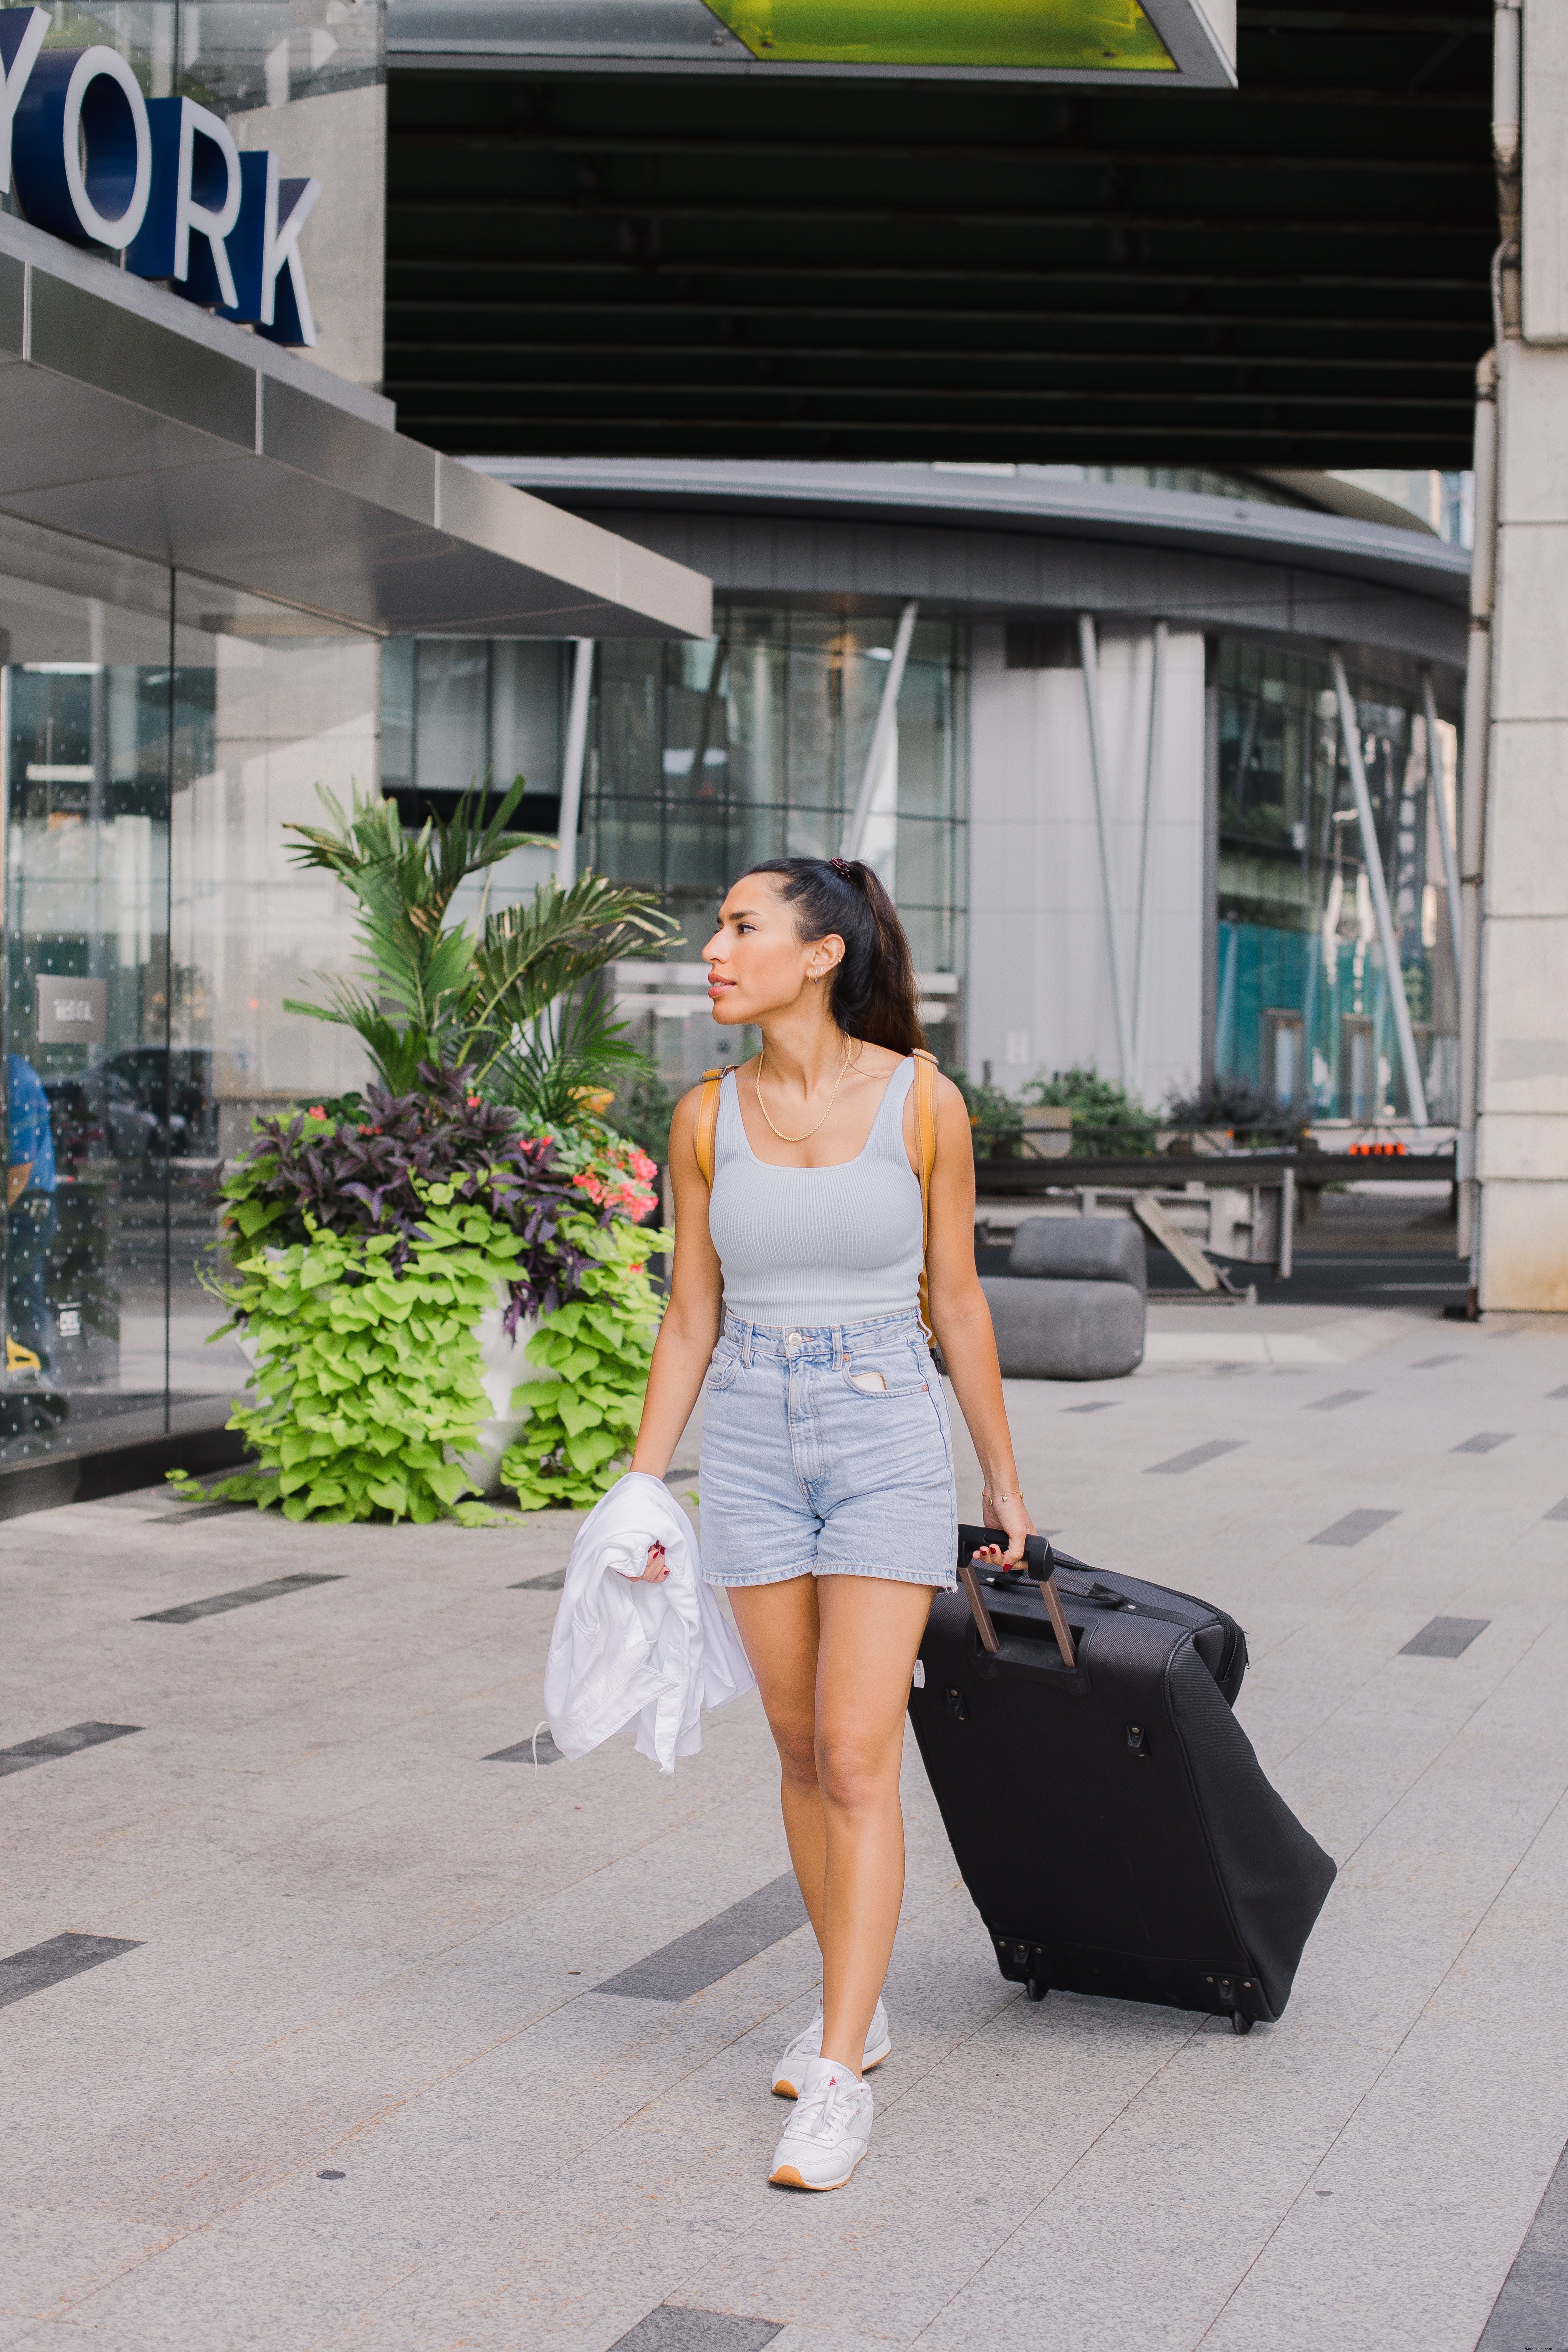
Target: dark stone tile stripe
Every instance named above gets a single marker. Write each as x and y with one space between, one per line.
552 1582
1485 1441
670 2329
1531 2315
189 1610
727 1941
69 1742
1430 1363
1195 1456
540 1749
1340 1397
1560 1393
1559 1510
1444 1637
1354 1527
42 1965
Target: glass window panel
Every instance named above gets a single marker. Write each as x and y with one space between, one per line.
84 719
268 704
451 713
527 724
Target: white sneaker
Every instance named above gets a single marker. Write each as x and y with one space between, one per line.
788 2071
829 2131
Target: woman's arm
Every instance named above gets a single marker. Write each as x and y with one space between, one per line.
685 1344
962 1319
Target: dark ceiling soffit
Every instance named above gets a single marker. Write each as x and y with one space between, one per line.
1374 554
188 449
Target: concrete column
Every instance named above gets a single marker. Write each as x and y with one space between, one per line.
1522 1120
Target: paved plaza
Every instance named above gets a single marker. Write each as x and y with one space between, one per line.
332 2018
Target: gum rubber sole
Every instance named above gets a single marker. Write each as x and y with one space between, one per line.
789 2091
788 2177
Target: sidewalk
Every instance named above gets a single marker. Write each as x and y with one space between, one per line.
329 2063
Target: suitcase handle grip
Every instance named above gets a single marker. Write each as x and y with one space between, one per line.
1039 1561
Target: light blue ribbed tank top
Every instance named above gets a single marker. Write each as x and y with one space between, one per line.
804 1247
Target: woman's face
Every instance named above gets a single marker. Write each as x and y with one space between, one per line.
757 962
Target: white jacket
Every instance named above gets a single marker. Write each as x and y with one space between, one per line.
657 1651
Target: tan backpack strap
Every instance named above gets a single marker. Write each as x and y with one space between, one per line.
925 1142
708 1123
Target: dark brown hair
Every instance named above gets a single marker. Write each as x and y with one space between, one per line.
874 992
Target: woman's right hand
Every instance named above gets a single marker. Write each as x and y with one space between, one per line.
656 1569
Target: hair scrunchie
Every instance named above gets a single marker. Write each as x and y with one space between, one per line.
842 866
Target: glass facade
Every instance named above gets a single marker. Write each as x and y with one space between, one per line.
702 758
158 732
231 55
1303 1006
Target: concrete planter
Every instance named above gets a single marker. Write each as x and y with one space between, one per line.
506 1366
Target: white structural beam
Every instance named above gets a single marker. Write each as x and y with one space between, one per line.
881 734
1088 655
1139 941
572 764
1393 975
1445 830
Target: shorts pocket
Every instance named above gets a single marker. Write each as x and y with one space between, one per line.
898 1369
721 1372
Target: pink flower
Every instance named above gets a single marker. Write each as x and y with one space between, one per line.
316 1111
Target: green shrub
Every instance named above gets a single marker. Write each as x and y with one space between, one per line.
582 1421
369 1379
1108 1123
995 1118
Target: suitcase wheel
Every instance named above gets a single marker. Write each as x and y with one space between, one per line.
1241 2023
1036 1988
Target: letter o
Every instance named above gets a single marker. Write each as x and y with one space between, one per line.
82 148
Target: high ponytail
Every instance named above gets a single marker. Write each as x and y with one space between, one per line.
874 991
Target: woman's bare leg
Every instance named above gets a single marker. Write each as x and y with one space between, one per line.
832 1657
871 1630
778 1628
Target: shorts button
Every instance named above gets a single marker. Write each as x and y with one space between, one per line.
792 1342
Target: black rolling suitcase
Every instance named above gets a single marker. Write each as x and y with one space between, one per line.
1113 1824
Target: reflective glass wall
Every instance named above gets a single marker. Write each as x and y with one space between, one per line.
158 733
700 759
1304 1007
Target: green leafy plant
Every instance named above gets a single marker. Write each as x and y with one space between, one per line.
503 1001
1108 1123
582 1421
1236 1107
995 1118
368 1380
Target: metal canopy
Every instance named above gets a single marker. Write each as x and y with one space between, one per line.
131 417
587 257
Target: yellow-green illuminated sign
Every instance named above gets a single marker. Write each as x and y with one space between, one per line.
1096 35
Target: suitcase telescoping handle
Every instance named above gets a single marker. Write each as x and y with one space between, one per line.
1039 1561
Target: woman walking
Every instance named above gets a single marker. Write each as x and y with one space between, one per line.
829 1509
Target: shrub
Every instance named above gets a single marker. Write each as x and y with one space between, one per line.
358 1168
582 1421
995 1118
369 1373
1237 1105
1107 1121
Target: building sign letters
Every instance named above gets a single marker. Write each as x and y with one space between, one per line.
157 179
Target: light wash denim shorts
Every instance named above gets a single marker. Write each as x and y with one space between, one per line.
804 1473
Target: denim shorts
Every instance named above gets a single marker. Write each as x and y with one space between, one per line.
806 1473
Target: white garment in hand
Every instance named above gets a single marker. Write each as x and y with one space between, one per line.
622 1648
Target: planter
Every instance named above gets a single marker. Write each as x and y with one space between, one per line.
506 1366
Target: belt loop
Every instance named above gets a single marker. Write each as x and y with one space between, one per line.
838 1347
746 1345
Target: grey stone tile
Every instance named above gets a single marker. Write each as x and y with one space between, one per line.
1485 1441
1195 1456
671 2328
1531 2315
69 1742
51 1963
218 1603
1340 1397
1430 1363
1444 1637
706 1953
1353 1528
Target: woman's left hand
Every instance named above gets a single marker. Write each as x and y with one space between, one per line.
1005 1511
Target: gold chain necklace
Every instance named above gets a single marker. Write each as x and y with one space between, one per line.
839 1081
